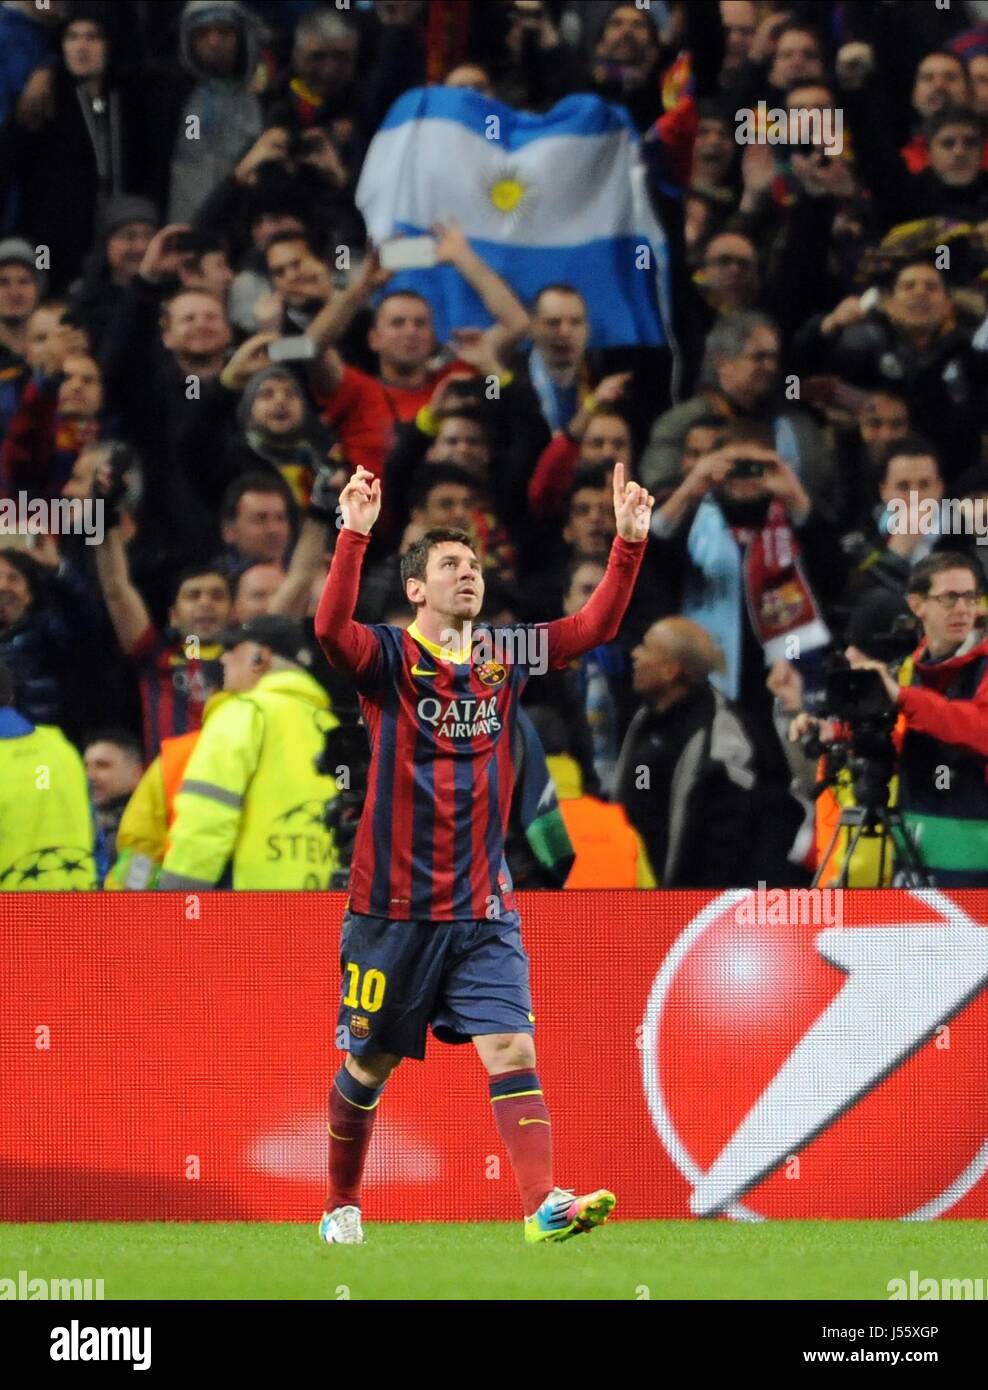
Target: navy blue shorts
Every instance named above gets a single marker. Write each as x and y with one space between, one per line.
463 978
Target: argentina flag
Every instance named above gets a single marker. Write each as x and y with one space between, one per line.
556 198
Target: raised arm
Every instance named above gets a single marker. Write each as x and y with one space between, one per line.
600 617
349 646
128 614
342 307
498 298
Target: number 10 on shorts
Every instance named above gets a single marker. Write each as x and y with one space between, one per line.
366 993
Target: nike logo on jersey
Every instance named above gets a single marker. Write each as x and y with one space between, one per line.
418 670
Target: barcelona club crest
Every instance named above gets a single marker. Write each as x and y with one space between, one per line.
359 1026
491 673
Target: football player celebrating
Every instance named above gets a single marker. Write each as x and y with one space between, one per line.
430 935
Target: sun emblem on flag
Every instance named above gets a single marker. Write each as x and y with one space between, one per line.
506 194
510 195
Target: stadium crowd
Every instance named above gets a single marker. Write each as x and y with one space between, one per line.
818 399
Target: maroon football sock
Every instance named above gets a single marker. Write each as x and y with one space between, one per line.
523 1124
352 1108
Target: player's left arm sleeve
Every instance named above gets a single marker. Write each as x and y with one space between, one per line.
963 722
600 617
210 801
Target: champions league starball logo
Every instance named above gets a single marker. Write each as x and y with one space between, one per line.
307 815
40 868
793 1071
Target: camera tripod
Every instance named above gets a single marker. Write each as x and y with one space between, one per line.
873 816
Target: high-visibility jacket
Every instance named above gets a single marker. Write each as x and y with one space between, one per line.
609 851
46 821
867 868
250 808
142 838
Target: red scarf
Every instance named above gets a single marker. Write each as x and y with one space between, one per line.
780 601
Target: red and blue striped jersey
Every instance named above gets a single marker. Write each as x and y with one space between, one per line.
174 686
430 844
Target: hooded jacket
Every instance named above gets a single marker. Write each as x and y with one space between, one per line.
217 443
88 151
220 118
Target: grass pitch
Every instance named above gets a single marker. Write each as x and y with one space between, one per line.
624 1260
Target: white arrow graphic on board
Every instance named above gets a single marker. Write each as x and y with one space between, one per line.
903 982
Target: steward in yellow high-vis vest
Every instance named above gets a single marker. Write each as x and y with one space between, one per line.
142 836
249 811
46 822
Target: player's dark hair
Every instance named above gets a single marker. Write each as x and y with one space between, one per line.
251 482
415 559
925 572
123 738
910 446
437 474
196 572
